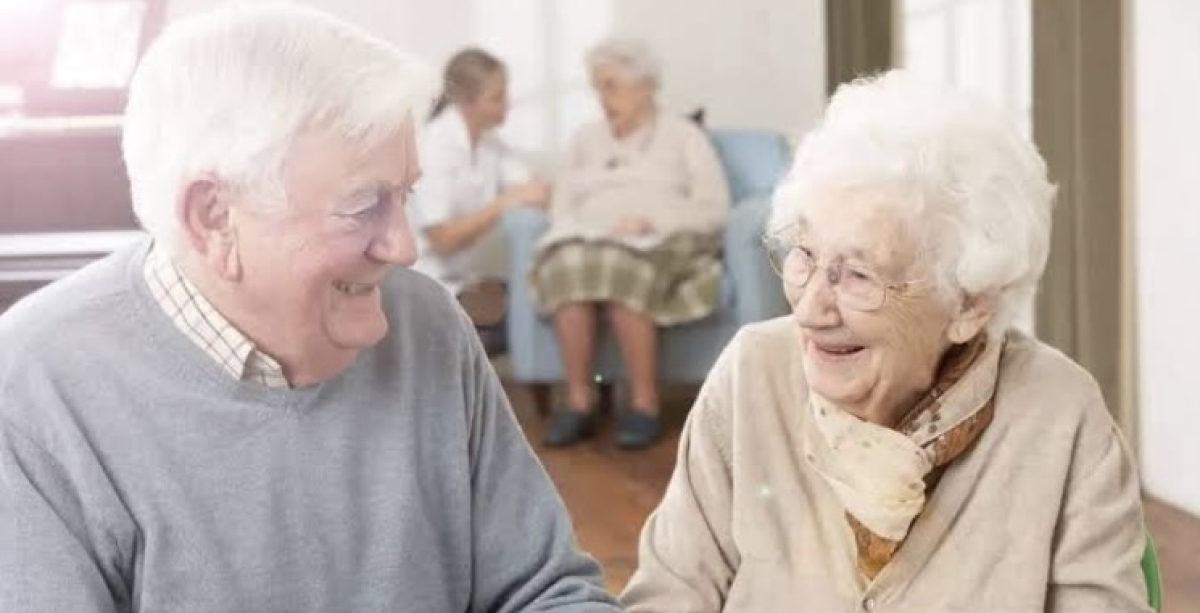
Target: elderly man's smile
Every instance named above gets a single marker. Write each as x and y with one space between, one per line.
355 289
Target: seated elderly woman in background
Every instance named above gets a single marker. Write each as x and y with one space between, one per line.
634 232
895 445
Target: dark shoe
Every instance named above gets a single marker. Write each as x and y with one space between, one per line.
568 427
636 430
494 339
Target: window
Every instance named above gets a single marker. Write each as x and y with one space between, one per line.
12 98
71 57
98 44
981 45
544 43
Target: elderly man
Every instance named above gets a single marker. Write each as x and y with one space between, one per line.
248 413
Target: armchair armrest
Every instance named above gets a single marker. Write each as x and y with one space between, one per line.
522 228
757 290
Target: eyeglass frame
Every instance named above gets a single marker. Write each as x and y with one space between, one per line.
887 287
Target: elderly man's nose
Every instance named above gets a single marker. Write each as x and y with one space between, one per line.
394 243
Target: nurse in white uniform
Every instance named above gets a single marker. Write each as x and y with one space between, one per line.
469 178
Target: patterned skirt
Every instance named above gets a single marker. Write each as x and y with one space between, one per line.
676 282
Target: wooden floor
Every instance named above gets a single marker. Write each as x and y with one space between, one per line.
610 492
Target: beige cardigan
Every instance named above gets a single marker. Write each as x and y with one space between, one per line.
667 171
1043 514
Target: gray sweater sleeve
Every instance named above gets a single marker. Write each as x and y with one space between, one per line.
525 555
55 555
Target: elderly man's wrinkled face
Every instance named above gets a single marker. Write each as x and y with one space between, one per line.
311 268
626 101
871 358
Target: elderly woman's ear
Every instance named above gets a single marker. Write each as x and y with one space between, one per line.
975 312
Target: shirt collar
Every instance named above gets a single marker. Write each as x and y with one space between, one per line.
203 324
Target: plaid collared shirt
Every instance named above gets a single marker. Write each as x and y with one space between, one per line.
198 320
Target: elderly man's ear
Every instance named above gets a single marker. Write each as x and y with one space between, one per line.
973 317
208 223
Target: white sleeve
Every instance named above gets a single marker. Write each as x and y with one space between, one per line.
513 170
432 201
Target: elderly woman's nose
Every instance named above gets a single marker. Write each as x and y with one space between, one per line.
815 304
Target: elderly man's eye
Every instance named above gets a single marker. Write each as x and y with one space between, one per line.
368 204
363 209
369 212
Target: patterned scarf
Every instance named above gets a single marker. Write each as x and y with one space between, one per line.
882 475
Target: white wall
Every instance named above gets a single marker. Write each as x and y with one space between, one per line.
430 28
750 63
1165 111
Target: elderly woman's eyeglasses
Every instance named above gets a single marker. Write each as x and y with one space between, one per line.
856 288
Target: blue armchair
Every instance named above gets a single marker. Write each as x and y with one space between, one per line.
754 162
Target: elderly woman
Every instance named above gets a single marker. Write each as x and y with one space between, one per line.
237 414
895 445
633 235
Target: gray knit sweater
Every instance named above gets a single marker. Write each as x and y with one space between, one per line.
136 475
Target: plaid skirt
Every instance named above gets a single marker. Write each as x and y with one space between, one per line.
676 282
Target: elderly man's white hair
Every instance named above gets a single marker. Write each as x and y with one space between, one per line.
975 189
632 56
225 94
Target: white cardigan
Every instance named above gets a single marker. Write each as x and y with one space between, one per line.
667 171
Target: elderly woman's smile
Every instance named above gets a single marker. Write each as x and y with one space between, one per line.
835 351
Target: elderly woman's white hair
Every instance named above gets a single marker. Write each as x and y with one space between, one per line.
632 56
226 94
974 188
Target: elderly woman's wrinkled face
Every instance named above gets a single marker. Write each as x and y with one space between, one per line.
312 267
871 358
627 101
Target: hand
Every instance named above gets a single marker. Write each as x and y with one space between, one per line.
634 225
535 193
